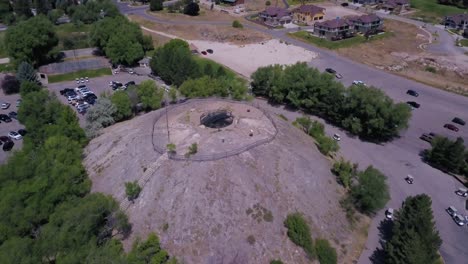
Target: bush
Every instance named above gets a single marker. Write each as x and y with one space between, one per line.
327 145
192 9
345 171
10 85
268 3
193 149
236 24
326 254
156 5
251 239
317 130
132 190
430 69
171 148
276 261
299 232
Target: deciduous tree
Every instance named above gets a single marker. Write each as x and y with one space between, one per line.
370 193
122 104
10 84
150 95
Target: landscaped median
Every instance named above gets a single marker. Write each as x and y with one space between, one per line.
78 74
338 44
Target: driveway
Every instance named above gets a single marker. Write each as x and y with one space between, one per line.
400 157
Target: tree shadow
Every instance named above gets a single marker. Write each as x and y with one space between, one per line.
385 233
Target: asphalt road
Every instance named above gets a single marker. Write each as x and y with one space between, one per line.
399 157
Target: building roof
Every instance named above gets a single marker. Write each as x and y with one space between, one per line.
311 9
458 19
274 11
366 18
335 23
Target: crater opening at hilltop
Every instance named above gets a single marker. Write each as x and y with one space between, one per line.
217 119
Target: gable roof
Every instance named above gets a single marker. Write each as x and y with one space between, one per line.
334 23
313 10
458 19
365 19
274 11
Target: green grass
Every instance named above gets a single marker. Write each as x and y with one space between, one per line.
73 37
464 42
345 43
3 53
83 73
203 62
432 12
7 68
299 2
70 28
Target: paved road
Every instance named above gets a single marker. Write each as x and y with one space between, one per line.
400 157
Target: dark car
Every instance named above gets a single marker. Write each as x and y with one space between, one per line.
13 115
116 85
210 51
412 93
22 132
345 4
130 83
7 146
90 96
203 52
90 100
426 137
459 121
4 139
330 70
451 127
66 90
413 104
5 118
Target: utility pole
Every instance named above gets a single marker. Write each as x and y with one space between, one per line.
167 122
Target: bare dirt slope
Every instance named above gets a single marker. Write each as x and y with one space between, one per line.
205 212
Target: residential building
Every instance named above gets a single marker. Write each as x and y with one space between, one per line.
367 24
334 29
275 16
365 2
308 14
233 2
459 22
394 6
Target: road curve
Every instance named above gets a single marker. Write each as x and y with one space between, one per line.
399 157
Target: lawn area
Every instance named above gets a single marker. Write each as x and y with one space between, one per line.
431 11
70 28
3 53
73 37
324 43
299 2
83 73
464 42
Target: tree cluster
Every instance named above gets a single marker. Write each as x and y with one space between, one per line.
121 40
370 192
414 238
31 41
448 155
315 129
457 3
363 111
48 214
92 11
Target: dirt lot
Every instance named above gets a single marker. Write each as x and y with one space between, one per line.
205 32
400 54
205 211
14 125
333 11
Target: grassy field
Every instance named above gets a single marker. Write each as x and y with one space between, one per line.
432 12
464 42
70 28
73 37
3 53
324 43
299 2
84 73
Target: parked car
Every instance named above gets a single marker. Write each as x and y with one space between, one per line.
5 105
66 90
77 80
413 104
426 137
330 70
462 192
7 146
210 51
344 4
451 211
13 115
22 132
204 52
459 121
5 118
18 102
338 76
460 220
4 139
116 85
15 135
130 83
336 137
409 179
355 82
412 93
389 213
451 127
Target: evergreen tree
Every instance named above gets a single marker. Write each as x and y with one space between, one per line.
414 239
26 73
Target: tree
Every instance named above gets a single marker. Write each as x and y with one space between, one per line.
370 194
28 87
132 190
192 9
26 72
345 171
325 252
148 251
414 237
10 84
42 6
122 104
192 150
149 94
173 94
31 40
122 50
5 9
236 24
447 155
22 8
156 5
299 232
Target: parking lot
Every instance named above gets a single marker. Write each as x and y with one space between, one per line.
6 127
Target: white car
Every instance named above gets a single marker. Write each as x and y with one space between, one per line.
359 83
460 220
15 135
389 213
5 106
336 137
86 79
77 81
462 192
452 211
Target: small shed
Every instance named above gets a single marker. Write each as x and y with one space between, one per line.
144 62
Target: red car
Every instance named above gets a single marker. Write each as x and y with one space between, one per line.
203 52
451 127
